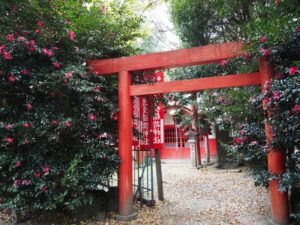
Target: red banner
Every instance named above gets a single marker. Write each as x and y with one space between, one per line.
152 129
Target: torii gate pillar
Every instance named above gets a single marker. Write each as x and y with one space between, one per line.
125 143
276 159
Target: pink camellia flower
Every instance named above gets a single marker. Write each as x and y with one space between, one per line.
97 88
253 142
37 175
101 9
92 117
26 142
25 32
52 94
298 29
25 72
55 122
40 23
37 31
293 70
44 188
68 124
16 183
10 37
46 169
32 42
238 140
21 39
266 100
276 2
25 182
223 62
6 55
56 64
31 48
276 95
18 164
279 76
263 39
29 106
71 35
2 47
50 53
68 75
11 78
297 108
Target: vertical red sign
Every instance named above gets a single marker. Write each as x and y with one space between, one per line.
141 121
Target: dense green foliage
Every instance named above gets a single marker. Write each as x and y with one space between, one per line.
57 126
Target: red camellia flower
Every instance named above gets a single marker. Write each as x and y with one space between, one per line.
16 183
297 108
11 78
293 70
52 94
31 48
267 51
57 64
223 62
40 23
2 47
55 122
92 117
25 182
26 142
10 37
37 31
25 32
26 125
279 76
97 88
6 55
29 107
44 188
238 140
8 126
71 35
1 200
263 39
25 72
18 164
68 124
37 175
298 29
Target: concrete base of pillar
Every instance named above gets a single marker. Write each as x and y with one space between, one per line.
126 218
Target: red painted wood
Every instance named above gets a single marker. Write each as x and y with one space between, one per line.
125 143
170 59
212 146
276 160
173 153
196 84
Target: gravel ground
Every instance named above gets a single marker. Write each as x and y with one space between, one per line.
195 197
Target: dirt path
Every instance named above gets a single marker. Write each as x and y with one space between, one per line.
203 197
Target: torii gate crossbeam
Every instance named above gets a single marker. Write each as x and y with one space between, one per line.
179 58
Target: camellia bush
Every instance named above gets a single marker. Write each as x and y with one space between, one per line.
57 121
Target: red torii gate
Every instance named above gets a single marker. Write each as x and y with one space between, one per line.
178 58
